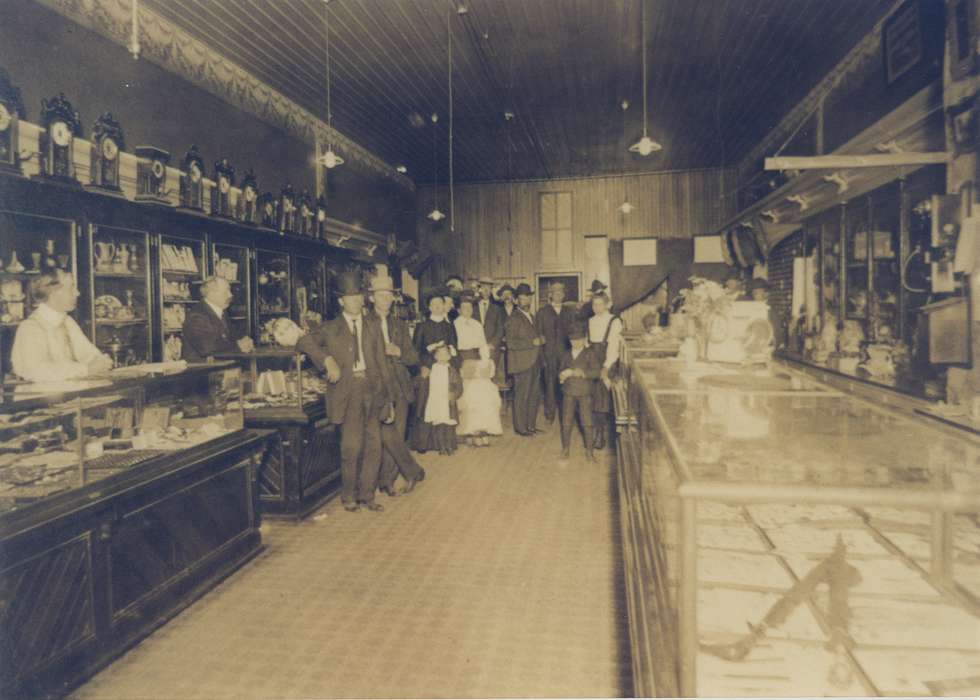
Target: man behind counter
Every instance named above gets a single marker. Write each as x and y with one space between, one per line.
49 345
206 331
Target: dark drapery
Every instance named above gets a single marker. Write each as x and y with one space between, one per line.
675 260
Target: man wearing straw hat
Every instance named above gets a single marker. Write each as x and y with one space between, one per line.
352 353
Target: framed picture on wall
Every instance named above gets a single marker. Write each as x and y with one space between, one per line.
902 41
571 280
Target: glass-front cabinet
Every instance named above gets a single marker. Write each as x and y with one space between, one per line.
182 270
55 442
29 244
275 378
120 300
273 290
309 294
232 263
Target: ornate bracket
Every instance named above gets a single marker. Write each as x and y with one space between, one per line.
772 215
799 199
839 179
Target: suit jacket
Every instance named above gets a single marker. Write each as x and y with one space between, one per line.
334 339
522 354
587 361
493 324
554 327
206 334
399 335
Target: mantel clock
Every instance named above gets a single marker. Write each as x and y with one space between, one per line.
192 181
306 215
107 142
269 211
11 112
287 210
321 218
151 174
248 201
61 125
224 178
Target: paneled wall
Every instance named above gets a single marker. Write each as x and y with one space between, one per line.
497 231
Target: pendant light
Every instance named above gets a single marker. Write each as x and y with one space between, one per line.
330 159
645 146
435 215
625 208
449 70
134 37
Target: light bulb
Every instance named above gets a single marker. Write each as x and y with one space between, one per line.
330 159
645 146
402 169
626 207
436 215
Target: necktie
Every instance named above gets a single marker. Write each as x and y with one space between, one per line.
357 344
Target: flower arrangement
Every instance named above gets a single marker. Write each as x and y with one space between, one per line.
703 302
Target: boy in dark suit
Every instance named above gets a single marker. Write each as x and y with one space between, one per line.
523 362
579 369
351 349
206 331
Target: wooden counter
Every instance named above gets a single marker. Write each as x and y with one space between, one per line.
737 487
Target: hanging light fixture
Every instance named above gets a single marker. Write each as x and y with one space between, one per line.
329 159
625 207
449 70
435 215
134 37
645 146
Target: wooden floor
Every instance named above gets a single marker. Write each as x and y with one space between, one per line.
499 577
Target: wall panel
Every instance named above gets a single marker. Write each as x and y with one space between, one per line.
493 240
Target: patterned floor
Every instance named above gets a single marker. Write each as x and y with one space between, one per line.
499 577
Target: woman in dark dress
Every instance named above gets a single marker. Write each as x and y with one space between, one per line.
428 335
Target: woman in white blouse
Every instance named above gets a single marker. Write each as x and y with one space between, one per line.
469 332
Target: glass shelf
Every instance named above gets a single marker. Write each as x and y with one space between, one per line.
232 263
182 269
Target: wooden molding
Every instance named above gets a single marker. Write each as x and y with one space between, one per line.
876 160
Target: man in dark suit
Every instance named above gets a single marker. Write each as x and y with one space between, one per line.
352 352
491 316
400 354
206 330
523 362
552 323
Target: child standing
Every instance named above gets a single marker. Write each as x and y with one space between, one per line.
479 407
579 370
441 415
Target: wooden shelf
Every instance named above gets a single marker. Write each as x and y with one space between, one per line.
25 273
122 275
174 329
179 301
276 312
182 273
113 322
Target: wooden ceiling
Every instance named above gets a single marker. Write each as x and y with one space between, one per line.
721 73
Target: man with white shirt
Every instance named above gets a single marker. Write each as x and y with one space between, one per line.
206 329
49 345
605 336
351 350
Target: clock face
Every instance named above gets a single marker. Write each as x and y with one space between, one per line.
223 185
195 172
249 194
5 117
60 133
157 169
109 149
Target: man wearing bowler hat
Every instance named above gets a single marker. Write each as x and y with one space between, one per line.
552 322
523 362
400 354
351 350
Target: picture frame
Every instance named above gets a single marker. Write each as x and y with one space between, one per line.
571 280
902 41
962 33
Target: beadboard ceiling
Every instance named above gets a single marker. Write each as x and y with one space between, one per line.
720 74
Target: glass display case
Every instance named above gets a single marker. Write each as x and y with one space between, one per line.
56 440
232 263
782 538
28 245
309 294
273 290
120 300
858 245
277 379
181 273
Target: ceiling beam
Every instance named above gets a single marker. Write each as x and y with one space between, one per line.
876 160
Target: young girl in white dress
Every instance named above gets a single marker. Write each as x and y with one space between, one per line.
479 406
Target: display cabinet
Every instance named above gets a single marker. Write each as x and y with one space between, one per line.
120 298
232 263
121 501
181 271
783 538
273 290
29 244
282 391
309 293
